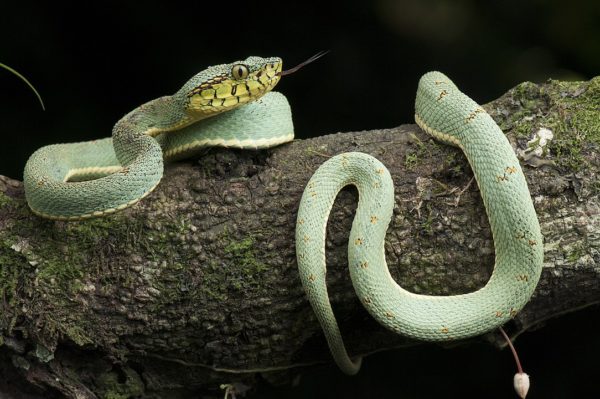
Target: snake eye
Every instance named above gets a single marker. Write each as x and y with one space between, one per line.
239 71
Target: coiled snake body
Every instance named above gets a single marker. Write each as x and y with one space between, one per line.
89 179
82 180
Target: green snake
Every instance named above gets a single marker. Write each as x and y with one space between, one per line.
77 181
453 118
82 180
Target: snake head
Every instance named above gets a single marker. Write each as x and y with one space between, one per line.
224 87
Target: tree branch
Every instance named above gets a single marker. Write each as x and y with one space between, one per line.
198 281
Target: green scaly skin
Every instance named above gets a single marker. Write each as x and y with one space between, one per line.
449 116
82 180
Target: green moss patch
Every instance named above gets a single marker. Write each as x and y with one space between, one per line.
570 109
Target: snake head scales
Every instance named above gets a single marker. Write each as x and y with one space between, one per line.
224 87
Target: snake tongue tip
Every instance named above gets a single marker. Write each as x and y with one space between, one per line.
308 61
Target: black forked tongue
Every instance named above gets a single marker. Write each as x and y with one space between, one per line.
308 61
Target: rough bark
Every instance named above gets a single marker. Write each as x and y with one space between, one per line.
197 284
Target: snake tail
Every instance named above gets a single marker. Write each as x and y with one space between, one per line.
453 118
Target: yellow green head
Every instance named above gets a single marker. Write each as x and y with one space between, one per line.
223 87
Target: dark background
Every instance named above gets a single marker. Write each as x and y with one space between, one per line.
93 65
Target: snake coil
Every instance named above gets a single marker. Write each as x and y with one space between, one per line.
228 105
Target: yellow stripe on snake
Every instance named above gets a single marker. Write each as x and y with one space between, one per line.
83 180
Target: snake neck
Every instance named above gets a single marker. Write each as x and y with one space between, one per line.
132 134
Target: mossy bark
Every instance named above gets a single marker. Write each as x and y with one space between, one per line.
197 284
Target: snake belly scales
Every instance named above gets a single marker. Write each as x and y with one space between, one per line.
89 179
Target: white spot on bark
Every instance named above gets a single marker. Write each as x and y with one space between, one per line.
538 145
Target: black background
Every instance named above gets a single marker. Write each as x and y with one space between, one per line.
94 64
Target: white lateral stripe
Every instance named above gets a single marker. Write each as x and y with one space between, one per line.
247 143
90 170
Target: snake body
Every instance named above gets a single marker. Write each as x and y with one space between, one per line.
224 105
453 118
